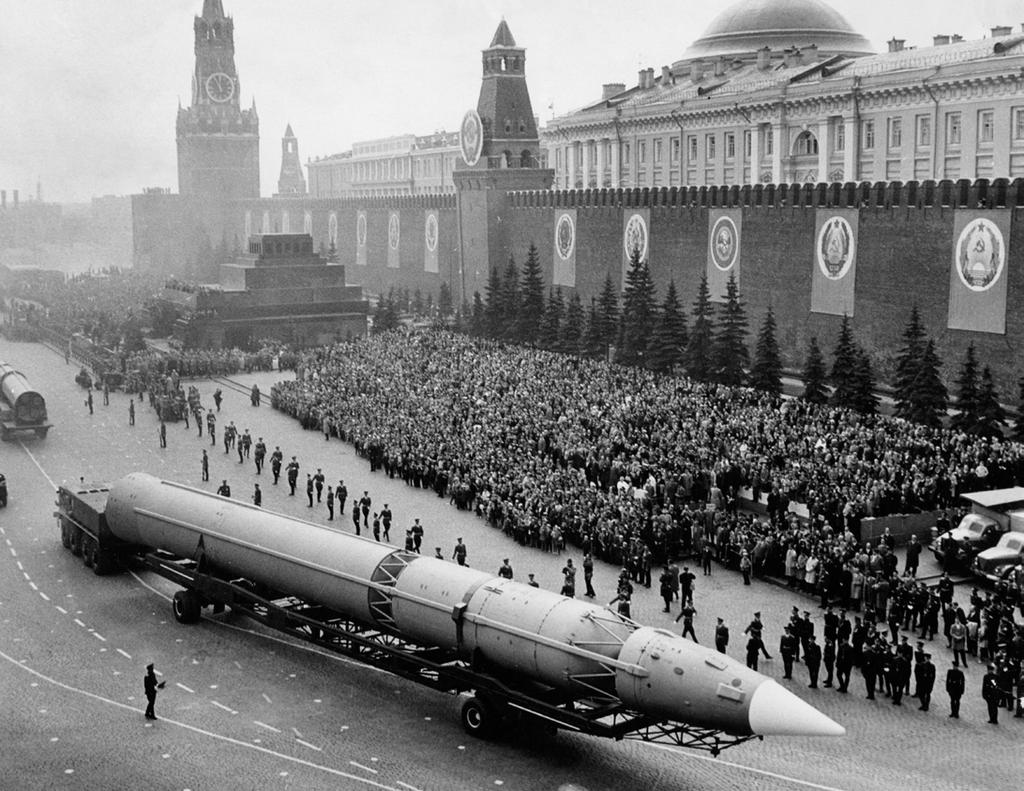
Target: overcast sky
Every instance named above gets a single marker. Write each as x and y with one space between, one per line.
89 88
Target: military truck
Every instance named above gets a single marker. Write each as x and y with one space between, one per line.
993 562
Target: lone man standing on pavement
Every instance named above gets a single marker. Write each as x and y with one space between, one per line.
206 466
721 636
151 686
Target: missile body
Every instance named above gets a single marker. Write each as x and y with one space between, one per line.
528 632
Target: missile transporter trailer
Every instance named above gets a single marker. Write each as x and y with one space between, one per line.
514 652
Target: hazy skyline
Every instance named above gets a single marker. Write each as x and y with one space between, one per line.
89 88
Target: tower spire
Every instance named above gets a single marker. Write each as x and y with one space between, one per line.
213 9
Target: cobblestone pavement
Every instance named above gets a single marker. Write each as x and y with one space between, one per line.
886 746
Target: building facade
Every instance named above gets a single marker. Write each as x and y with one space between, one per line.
784 91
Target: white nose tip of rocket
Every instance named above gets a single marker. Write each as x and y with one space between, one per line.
775 711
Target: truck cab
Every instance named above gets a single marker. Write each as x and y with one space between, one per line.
992 514
993 562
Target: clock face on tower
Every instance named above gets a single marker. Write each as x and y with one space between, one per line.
220 87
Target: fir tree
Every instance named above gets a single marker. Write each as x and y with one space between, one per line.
966 418
550 336
697 358
730 355
638 312
1018 426
606 321
572 328
510 302
927 397
767 371
668 341
493 315
592 344
444 300
991 415
908 363
844 368
386 316
814 375
531 300
865 401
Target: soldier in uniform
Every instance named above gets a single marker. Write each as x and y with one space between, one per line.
341 493
459 554
309 489
899 672
686 615
504 571
257 495
224 490
588 575
812 658
330 506
924 675
869 668
318 482
955 685
755 629
259 454
275 465
417 535
992 694
829 657
385 521
211 427
293 475
721 636
151 685
206 466
163 434
665 587
844 663
788 647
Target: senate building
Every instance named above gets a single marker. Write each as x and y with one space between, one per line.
787 91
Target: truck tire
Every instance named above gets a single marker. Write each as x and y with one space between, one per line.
479 718
76 540
65 535
88 551
187 606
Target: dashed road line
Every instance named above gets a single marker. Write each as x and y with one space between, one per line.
33 586
45 597
365 768
310 746
296 732
79 622
20 567
220 705
202 732
60 609
124 653
266 697
406 785
267 727
187 689
99 637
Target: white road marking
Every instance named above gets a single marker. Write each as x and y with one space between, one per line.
182 686
365 768
222 706
720 762
268 727
33 586
266 697
20 567
98 636
124 653
311 746
28 453
406 785
79 623
60 609
296 732
202 732
45 597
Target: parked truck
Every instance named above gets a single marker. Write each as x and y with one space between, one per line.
994 562
992 514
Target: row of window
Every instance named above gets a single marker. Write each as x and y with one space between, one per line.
807 143
380 170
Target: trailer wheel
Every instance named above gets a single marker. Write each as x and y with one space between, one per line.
88 551
187 607
478 718
76 540
65 535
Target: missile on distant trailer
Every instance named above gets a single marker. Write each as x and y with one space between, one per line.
537 634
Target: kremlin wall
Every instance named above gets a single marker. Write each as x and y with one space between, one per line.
811 251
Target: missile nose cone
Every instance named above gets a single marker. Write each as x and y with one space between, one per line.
775 711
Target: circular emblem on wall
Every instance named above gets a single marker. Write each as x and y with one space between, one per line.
307 223
361 229
472 137
430 233
980 255
725 245
635 237
565 237
393 232
835 248
248 224
332 229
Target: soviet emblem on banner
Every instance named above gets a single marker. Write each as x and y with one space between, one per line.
361 229
635 237
565 237
835 248
980 255
471 140
393 232
430 234
724 243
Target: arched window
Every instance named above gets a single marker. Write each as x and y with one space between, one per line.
806 144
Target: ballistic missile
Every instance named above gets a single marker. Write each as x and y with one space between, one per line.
527 632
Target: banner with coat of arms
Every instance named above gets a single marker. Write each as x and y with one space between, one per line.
361 238
564 269
394 238
834 262
430 241
977 277
635 237
724 229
